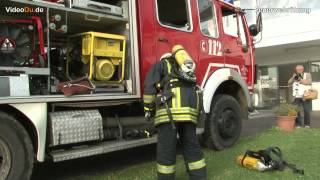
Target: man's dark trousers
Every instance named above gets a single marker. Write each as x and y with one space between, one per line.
306 105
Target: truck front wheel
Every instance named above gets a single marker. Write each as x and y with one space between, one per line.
223 124
16 150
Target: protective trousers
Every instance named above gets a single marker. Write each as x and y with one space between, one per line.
166 151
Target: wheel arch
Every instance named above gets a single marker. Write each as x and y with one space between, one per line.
226 81
27 117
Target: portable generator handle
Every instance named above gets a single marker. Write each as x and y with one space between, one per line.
88 18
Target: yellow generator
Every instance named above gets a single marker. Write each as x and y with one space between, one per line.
102 54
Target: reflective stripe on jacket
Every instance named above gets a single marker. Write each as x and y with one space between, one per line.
184 105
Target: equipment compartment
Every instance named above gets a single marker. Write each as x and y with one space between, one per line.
111 67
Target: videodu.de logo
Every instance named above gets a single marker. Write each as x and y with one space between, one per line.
24 9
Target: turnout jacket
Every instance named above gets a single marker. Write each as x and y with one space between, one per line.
184 105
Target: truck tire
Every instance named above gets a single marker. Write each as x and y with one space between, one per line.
223 124
16 150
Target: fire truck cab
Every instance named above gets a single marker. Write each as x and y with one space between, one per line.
113 45
215 33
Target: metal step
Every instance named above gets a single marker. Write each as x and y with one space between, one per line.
101 148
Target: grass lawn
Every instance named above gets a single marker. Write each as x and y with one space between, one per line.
301 147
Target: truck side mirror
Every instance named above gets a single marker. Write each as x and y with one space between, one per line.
255 29
259 22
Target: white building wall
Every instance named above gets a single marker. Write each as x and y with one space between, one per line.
290 29
287 37
284 28
288 55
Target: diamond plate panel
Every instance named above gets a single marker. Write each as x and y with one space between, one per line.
67 127
14 85
19 86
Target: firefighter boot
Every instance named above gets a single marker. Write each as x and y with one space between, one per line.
166 152
195 163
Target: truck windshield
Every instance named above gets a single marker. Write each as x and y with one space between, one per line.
207 16
229 21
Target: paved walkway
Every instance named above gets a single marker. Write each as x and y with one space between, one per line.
263 119
315 119
257 122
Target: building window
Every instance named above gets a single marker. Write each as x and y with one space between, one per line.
207 16
174 14
229 21
266 89
315 71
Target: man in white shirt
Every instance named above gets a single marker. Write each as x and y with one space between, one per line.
301 82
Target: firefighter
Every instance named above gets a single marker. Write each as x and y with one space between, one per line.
172 99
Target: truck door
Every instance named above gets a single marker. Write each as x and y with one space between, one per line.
211 46
174 26
247 53
236 43
243 41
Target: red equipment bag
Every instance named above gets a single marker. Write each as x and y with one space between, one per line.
78 86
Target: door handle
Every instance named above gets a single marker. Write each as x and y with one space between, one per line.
162 39
228 51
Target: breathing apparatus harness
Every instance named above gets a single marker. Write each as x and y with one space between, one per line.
265 157
166 85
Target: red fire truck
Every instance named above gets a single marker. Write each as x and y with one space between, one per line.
110 47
